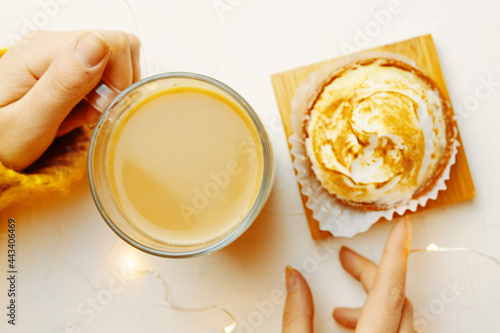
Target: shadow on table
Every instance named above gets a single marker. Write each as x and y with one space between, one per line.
254 246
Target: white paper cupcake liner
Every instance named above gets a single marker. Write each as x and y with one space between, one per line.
333 215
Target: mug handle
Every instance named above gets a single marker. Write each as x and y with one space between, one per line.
102 95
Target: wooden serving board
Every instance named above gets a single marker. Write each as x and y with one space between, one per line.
420 49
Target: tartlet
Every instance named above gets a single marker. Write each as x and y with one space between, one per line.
378 133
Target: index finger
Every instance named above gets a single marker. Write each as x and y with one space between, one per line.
299 308
384 304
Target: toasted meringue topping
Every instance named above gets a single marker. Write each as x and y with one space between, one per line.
376 134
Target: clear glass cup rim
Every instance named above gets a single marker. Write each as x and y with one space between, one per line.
267 178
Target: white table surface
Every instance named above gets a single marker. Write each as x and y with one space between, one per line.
67 256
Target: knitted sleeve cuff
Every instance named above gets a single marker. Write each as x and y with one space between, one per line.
63 163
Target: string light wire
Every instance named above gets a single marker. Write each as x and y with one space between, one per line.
131 265
435 248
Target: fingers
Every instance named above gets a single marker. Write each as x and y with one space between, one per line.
123 63
26 62
299 307
406 324
364 271
49 76
135 47
38 115
69 78
359 267
31 57
123 69
347 317
383 306
82 114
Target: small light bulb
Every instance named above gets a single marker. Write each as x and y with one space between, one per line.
130 264
432 248
230 328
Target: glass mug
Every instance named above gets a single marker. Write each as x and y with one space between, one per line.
179 164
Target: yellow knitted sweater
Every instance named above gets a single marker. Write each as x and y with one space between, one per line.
62 163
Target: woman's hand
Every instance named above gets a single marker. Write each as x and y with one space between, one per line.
386 310
44 78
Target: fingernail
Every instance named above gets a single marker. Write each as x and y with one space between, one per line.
291 279
337 310
345 248
347 251
91 48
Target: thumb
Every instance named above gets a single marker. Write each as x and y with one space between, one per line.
299 307
72 75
